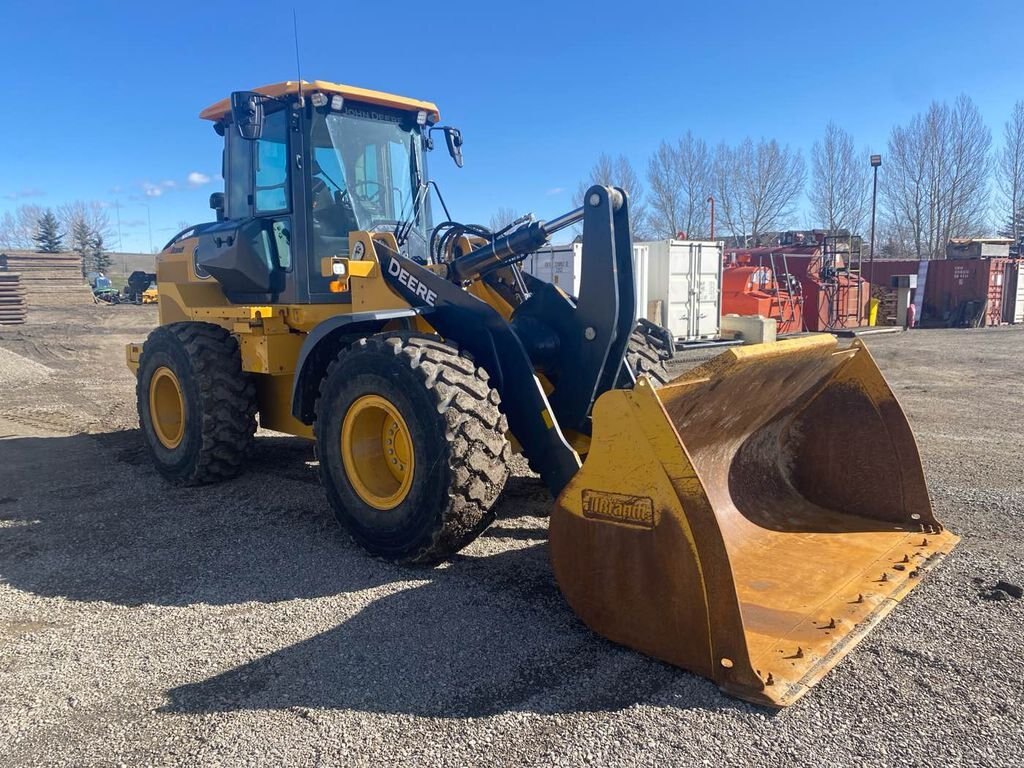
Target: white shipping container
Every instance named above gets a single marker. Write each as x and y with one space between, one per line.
1018 299
686 277
561 265
558 265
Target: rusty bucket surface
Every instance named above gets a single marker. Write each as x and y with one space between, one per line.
750 521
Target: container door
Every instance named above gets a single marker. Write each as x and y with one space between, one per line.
641 260
1018 309
575 267
680 288
994 310
709 291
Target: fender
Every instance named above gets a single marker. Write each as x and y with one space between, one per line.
356 321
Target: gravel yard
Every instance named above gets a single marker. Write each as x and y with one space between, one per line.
142 624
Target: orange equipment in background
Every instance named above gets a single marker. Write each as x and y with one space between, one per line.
755 290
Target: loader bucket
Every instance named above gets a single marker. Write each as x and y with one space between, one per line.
751 520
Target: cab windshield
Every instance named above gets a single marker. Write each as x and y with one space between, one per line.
366 171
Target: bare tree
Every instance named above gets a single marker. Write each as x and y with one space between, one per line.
618 172
935 181
680 180
502 217
1010 174
92 214
840 182
85 223
18 229
757 187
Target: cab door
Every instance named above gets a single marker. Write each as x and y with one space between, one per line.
250 252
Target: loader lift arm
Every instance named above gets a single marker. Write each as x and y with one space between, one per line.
591 331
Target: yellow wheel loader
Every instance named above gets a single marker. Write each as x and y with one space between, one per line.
748 521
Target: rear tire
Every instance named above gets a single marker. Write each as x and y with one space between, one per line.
197 408
436 405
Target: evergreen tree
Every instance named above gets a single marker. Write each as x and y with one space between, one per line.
1015 226
48 236
81 243
100 257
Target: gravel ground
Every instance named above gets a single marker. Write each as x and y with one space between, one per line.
142 624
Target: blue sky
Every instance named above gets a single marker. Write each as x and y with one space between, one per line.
101 98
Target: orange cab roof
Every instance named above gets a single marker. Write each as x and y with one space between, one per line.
223 107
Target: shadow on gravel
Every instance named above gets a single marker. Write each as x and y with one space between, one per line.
90 519
487 635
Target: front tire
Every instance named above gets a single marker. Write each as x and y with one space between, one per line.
197 408
412 446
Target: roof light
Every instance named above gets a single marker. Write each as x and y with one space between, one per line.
319 99
337 102
339 268
421 117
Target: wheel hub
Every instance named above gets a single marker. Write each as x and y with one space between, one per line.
376 451
167 407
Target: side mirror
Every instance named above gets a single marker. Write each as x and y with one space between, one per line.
453 137
217 204
247 114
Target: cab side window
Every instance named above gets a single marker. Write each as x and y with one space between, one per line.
271 165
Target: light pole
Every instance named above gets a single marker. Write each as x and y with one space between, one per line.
711 199
120 246
876 160
149 222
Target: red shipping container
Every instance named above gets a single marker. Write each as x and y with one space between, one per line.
964 292
881 273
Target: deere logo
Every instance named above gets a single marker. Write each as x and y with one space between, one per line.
618 508
418 289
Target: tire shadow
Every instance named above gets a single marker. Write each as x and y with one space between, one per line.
89 518
485 636
86 518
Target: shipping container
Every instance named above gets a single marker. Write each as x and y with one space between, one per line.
963 293
558 265
561 265
978 248
1013 296
685 276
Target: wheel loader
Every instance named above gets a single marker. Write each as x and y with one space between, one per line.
749 520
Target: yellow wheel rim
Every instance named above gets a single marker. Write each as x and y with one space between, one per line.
166 407
376 450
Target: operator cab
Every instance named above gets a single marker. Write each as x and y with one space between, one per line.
304 168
